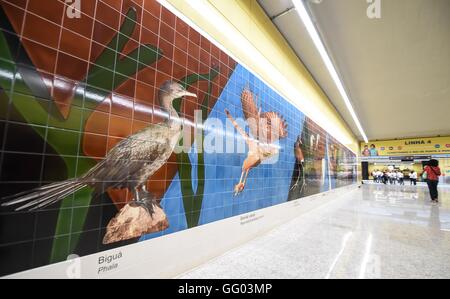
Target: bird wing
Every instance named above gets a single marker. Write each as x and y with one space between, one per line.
131 155
123 163
272 127
251 112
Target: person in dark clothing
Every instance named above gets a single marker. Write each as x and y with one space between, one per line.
433 172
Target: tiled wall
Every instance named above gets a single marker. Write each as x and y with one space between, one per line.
72 89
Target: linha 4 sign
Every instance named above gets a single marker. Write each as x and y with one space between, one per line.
402 147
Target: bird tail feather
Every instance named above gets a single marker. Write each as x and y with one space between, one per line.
43 196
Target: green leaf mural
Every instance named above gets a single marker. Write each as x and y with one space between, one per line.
192 201
109 72
32 100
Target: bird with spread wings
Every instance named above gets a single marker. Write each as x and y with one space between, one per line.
266 129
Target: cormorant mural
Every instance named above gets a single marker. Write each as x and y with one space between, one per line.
129 164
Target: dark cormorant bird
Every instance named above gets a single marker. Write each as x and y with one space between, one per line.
129 164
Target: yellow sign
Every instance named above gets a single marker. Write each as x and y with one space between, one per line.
407 147
444 164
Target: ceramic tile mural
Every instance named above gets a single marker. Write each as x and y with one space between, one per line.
91 110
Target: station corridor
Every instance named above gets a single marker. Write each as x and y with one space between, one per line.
376 231
224 139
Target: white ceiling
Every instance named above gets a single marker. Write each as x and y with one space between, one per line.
396 69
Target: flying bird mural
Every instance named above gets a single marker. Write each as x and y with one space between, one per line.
129 164
265 130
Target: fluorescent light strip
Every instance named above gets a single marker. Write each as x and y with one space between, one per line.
304 16
291 93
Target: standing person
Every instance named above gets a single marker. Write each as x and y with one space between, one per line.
366 151
401 177
385 177
413 178
380 176
433 172
374 176
373 151
394 177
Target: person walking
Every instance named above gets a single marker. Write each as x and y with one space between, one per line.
433 172
380 176
413 178
391 177
395 177
374 176
401 178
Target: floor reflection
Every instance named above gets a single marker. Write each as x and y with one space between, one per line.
375 231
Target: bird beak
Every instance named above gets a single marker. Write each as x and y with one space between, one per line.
189 94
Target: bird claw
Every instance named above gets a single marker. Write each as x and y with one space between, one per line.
238 189
145 200
145 204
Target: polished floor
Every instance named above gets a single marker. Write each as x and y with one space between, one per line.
376 231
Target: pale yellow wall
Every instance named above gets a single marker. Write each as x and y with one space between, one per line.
247 18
